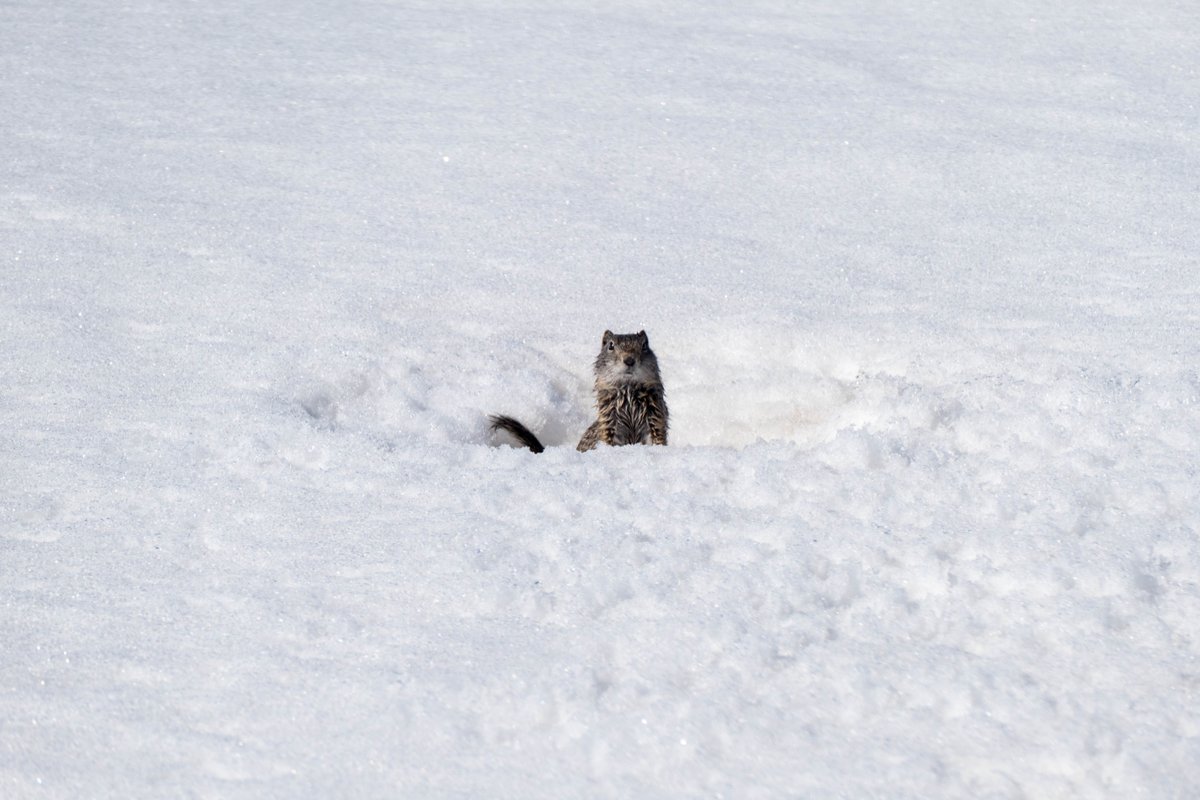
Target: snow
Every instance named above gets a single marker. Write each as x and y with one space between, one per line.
922 280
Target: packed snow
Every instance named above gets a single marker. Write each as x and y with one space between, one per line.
922 279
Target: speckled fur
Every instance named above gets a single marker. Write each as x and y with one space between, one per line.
630 403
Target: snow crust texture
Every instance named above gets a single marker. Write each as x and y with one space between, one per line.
922 281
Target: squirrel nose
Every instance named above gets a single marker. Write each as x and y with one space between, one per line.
629 361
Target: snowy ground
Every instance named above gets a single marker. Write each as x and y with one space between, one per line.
923 281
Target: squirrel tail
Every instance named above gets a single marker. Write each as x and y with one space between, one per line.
523 434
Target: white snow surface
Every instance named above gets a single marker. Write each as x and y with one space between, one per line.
922 278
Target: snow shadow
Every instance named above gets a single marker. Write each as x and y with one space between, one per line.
752 390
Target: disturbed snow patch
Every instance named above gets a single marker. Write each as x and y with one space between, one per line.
740 389
750 389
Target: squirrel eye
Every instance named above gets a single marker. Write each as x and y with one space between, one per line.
612 346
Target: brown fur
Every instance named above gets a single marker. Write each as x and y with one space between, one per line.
630 403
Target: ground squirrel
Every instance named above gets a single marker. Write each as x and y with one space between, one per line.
629 397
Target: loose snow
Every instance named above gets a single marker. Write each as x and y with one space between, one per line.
922 279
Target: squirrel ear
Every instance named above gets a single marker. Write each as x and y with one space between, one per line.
645 338
607 335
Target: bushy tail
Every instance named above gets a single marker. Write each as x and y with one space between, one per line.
503 423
